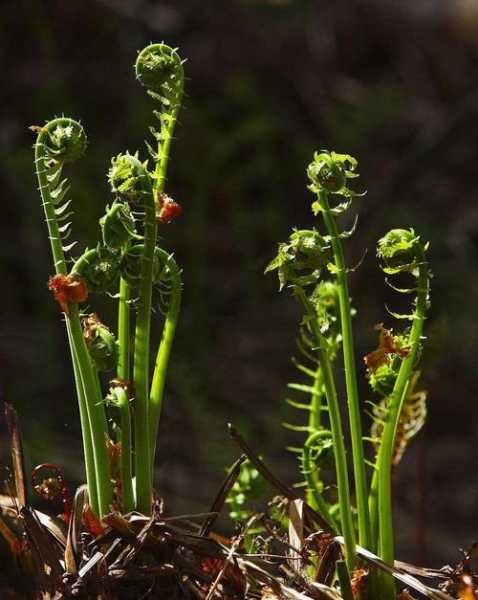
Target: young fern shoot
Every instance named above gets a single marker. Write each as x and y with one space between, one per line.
401 252
299 263
160 69
129 262
329 173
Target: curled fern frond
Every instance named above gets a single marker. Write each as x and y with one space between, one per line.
59 142
100 268
117 225
159 68
129 178
300 260
329 173
65 140
398 251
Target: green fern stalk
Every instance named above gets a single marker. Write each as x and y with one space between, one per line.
337 432
123 372
329 174
402 251
165 346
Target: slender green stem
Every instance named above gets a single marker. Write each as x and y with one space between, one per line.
361 490
126 463
385 454
85 432
123 371
141 364
344 580
315 412
164 350
373 511
337 432
96 412
163 152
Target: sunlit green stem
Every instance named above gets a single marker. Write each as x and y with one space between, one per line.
385 454
373 511
126 464
85 432
315 412
337 432
123 371
344 580
361 490
96 412
141 364
165 346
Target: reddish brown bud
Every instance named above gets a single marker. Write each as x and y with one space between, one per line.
68 289
167 209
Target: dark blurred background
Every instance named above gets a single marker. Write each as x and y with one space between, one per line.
392 83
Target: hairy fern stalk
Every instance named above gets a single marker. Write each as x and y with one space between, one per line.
325 333
127 265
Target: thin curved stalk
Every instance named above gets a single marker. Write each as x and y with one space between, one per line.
337 433
360 476
123 372
164 349
86 434
126 465
385 454
96 413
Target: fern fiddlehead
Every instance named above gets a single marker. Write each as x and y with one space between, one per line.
329 174
159 69
401 252
299 263
59 142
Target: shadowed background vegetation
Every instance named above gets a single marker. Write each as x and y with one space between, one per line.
393 84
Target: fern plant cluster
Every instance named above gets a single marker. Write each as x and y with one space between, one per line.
127 263
311 265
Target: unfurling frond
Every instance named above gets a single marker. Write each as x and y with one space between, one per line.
117 225
100 268
300 260
129 178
